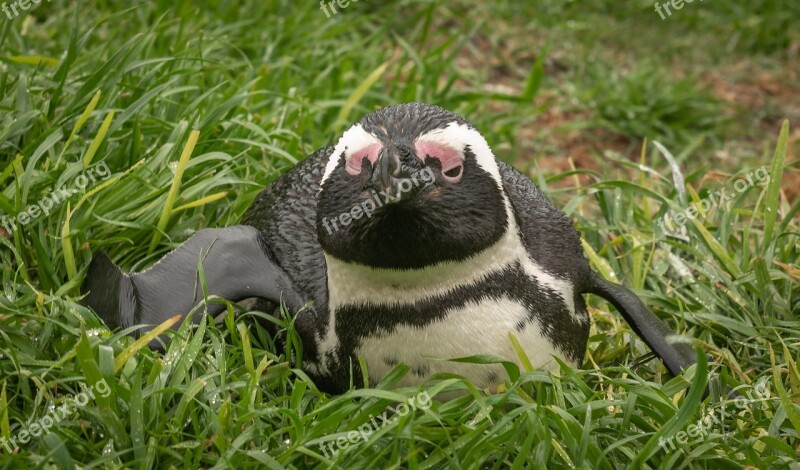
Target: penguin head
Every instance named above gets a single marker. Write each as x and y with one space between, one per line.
409 186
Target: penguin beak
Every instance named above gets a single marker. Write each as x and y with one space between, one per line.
389 172
388 167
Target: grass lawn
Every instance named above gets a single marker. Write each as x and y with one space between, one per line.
144 122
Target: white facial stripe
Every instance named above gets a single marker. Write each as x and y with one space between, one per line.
458 136
455 136
353 139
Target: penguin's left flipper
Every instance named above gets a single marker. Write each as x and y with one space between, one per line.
236 265
677 356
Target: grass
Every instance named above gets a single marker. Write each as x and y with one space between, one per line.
642 103
193 110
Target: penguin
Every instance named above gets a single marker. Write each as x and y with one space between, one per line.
405 242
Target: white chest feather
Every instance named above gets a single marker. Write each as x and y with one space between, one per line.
476 327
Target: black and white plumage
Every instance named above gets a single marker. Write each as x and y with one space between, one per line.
407 239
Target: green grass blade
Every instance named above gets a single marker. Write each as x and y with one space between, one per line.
773 190
173 191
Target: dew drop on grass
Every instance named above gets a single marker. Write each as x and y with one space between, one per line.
94 332
109 447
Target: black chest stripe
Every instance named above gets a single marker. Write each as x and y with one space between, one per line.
545 306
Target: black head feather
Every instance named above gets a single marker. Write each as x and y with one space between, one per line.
434 220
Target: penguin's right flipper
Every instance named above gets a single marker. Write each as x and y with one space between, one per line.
236 265
676 356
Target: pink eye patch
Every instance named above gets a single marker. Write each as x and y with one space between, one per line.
354 159
449 158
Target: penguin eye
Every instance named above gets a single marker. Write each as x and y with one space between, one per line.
449 158
356 159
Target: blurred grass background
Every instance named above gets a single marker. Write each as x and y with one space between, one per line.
571 93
